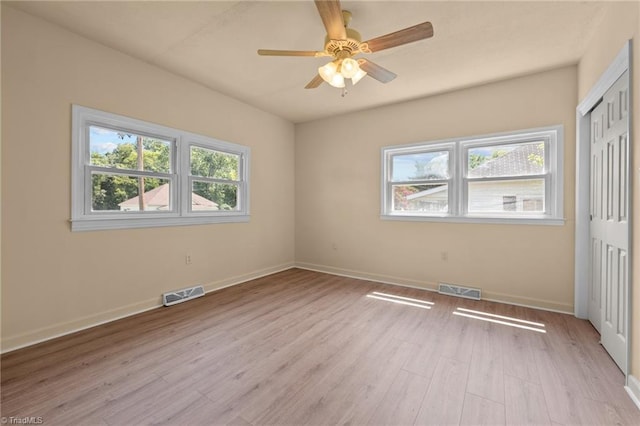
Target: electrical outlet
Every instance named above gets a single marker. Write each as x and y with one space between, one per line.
187 259
444 256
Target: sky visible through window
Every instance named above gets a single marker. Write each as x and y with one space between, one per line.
105 140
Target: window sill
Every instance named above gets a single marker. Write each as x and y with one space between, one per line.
100 224
477 219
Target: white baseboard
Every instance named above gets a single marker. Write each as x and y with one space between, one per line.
545 305
359 275
44 334
633 389
239 279
30 338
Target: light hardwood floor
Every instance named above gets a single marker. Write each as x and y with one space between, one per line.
301 347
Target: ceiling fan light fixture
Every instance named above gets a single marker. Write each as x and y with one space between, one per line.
330 74
337 81
349 68
328 71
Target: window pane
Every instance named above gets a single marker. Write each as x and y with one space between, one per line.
421 198
110 148
421 166
507 196
506 160
120 193
214 164
214 196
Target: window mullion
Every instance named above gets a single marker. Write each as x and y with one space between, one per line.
126 172
214 180
460 191
549 202
412 183
506 178
185 172
88 190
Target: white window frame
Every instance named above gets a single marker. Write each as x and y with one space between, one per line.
84 219
413 149
552 136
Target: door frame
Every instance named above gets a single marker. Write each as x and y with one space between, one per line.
620 64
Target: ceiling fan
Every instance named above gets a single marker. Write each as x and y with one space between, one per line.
343 43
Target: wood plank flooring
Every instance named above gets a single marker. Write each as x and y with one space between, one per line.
301 347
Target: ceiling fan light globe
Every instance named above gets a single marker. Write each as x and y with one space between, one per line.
349 68
337 81
328 71
359 75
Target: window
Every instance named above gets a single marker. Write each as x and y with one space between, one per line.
420 179
512 178
128 173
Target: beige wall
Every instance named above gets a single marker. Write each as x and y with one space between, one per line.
338 227
55 280
621 23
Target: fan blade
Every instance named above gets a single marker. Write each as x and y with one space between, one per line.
408 35
331 13
317 81
268 52
383 75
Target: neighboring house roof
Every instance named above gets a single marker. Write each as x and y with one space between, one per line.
426 192
514 163
159 197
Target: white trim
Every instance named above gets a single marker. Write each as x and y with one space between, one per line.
100 224
613 72
543 305
633 389
581 269
470 219
148 306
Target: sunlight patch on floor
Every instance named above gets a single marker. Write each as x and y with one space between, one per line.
500 319
401 300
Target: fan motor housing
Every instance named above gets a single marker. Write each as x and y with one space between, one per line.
352 44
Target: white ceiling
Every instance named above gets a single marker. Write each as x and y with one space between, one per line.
215 43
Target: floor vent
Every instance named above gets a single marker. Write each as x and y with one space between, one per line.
459 291
183 295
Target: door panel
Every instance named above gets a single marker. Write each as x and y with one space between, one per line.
608 287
